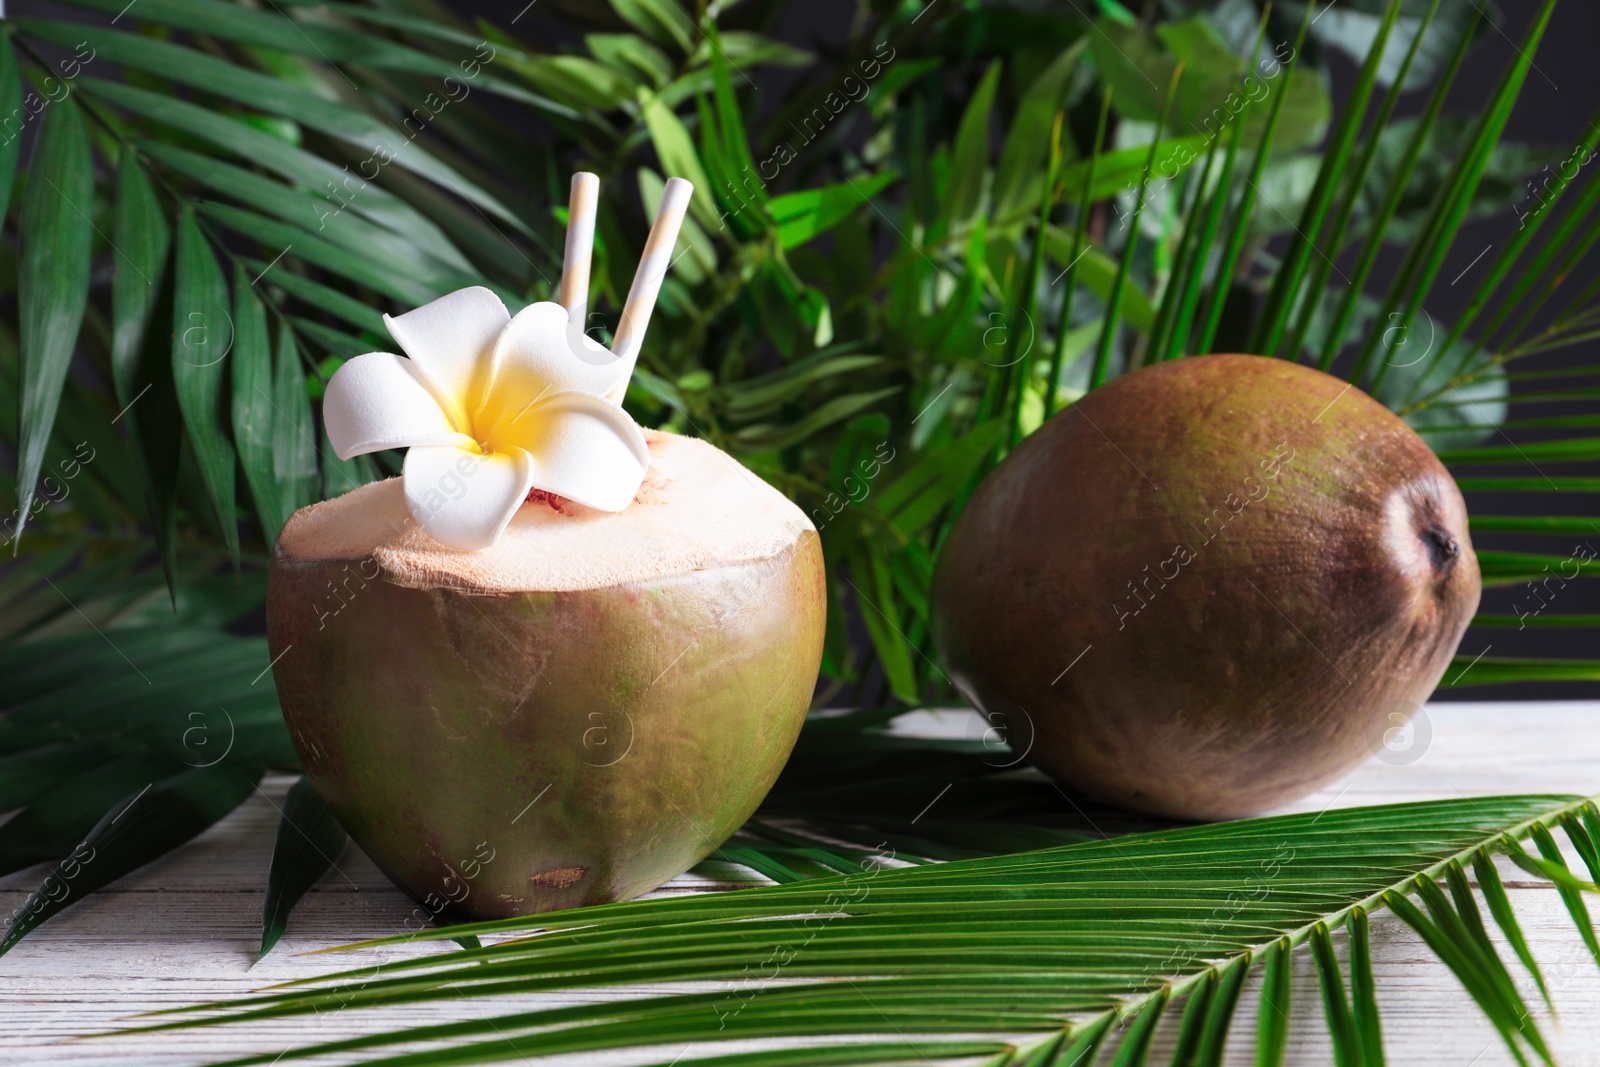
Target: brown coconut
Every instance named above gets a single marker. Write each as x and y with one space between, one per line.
1209 587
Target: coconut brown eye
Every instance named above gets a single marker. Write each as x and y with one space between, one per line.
577 648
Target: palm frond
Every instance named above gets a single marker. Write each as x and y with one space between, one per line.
123 735
1094 938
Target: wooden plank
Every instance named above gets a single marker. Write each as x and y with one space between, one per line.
185 929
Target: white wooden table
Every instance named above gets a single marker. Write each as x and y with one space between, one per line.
184 929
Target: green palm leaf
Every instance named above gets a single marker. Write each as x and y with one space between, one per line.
147 823
53 282
203 339
1111 933
309 840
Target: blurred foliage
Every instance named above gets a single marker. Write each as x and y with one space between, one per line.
902 254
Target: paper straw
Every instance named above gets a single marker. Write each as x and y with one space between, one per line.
581 208
652 271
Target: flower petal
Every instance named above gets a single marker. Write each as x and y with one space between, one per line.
541 353
464 499
585 449
452 339
379 401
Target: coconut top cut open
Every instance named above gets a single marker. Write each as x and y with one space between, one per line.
697 508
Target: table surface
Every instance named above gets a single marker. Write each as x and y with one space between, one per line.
184 929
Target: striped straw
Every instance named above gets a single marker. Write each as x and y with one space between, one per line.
652 271
581 209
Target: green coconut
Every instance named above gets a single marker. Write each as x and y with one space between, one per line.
571 716
1209 587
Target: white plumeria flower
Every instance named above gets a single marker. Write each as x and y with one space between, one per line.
491 406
